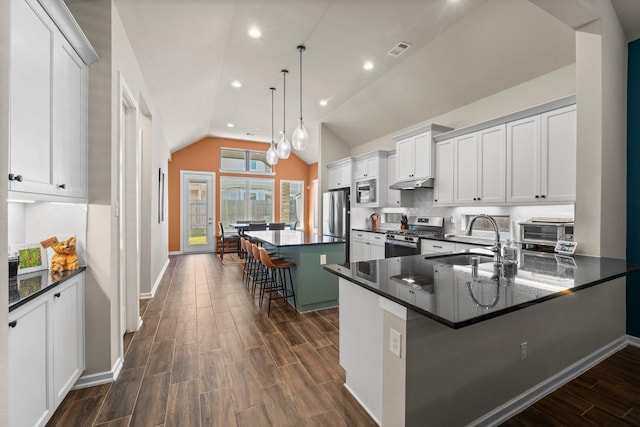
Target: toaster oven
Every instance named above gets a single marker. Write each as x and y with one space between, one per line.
545 233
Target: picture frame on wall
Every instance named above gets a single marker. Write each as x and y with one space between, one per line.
33 257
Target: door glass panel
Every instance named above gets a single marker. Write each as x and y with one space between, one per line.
198 214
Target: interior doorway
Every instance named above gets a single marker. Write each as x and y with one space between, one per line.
128 210
197 214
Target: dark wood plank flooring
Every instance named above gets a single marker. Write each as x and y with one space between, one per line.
606 395
207 355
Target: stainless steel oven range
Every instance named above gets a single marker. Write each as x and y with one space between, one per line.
407 242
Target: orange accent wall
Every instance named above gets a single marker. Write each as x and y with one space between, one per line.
204 156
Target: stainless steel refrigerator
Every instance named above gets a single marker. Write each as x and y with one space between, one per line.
335 216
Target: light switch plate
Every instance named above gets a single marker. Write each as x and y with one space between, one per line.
323 259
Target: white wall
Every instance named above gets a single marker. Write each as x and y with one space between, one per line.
4 143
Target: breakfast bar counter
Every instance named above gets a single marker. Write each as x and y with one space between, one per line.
315 288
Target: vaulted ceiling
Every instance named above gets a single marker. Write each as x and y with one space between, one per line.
190 51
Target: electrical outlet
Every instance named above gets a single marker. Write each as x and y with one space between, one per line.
395 341
523 350
323 259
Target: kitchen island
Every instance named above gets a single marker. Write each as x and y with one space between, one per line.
428 342
315 288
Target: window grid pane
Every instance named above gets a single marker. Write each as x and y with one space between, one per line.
245 199
292 201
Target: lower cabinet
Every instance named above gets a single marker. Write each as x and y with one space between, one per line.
428 246
366 246
46 352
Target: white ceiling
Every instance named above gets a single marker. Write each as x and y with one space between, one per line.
189 51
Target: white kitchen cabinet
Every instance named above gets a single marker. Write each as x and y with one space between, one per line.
367 167
67 312
480 159
48 101
340 174
366 246
541 157
443 187
428 246
29 369
415 157
45 352
394 197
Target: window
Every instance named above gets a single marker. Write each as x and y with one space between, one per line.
235 160
242 198
292 202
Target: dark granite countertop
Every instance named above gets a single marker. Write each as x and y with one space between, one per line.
453 296
370 230
280 238
26 287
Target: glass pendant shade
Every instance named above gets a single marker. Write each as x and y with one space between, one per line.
300 137
272 155
284 147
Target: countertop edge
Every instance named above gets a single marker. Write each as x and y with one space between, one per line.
45 290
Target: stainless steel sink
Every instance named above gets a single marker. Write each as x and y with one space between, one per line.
461 259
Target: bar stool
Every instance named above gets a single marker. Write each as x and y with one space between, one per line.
257 272
276 279
246 256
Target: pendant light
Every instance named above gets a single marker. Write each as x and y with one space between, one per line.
272 155
300 136
284 146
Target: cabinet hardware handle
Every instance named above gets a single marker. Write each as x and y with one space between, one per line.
436 246
63 186
435 200
475 198
478 198
13 177
537 197
543 196
13 324
57 295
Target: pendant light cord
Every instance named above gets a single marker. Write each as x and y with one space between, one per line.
301 49
272 89
284 101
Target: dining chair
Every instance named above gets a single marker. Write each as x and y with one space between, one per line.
276 226
255 226
228 241
293 225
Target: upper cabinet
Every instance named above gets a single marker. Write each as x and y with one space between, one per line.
48 101
541 157
523 158
340 174
479 167
415 153
370 180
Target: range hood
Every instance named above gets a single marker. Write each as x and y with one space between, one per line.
412 184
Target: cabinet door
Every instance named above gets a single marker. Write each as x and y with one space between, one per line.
335 177
68 336
376 251
69 121
28 367
423 160
30 152
523 160
366 168
443 187
558 157
394 197
405 159
466 172
359 251
361 169
491 165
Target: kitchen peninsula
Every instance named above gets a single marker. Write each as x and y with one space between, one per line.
423 339
315 288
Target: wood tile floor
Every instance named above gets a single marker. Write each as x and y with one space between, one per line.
207 355
606 395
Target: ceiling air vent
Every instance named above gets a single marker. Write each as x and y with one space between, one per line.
399 49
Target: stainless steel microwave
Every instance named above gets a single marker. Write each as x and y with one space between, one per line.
366 191
545 233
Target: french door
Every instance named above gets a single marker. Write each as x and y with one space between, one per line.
197 211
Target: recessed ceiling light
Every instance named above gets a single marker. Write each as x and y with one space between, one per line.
230 125
324 102
236 83
254 32
368 65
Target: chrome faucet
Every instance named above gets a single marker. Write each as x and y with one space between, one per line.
496 249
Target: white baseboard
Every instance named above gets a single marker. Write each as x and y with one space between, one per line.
175 253
363 405
531 396
149 295
101 377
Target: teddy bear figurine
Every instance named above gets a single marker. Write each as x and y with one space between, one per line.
65 257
